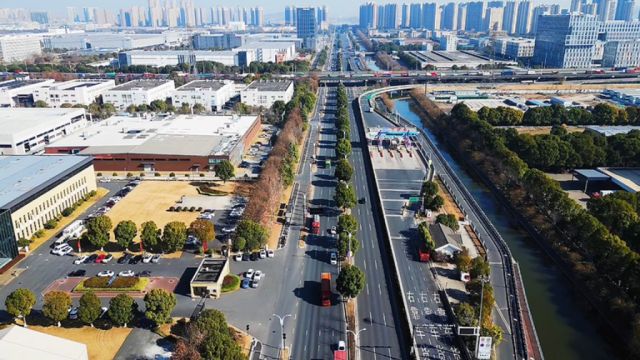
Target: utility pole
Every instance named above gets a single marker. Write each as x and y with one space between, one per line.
482 280
355 339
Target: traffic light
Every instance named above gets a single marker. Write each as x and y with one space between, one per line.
247 327
284 336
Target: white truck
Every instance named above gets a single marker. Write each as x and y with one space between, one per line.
73 231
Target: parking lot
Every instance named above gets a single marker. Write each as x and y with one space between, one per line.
257 153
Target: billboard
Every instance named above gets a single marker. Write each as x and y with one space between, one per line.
484 348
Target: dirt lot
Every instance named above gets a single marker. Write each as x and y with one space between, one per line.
543 130
150 201
450 206
101 344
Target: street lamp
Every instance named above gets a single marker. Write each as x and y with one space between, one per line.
355 335
281 318
482 280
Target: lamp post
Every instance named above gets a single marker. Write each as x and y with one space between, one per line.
482 280
349 245
355 338
281 318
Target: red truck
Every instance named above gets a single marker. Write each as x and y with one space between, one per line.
325 288
341 352
315 224
424 254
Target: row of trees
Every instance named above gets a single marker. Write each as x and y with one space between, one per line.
168 240
430 198
388 62
620 213
601 114
560 150
279 169
606 269
122 310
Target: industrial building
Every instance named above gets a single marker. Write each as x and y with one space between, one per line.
186 143
29 130
448 59
20 92
102 41
138 92
175 57
19 48
74 92
265 93
207 281
514 48
35 189
211 94
17 342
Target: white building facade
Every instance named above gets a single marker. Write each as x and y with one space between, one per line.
19 48
138 92
213 95
74 92
265 93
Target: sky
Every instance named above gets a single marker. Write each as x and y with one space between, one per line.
336 8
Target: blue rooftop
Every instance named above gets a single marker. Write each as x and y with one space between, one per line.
23 175
591 174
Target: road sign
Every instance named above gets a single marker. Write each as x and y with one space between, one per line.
484 348
414 199
468 330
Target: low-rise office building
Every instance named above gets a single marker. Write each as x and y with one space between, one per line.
211 94
35 189
138 92
103 41
185 143
17 342
29 130
621 53
175 57
19 48
20 92
207 281
265 93
74 92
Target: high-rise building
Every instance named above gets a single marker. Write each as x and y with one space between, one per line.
462 17
306 26
510 17
554 9
576 6
523 20
624 10
368 16
431 16
415 20
41 17
538 11
606 9
406 16
392 17
450 16
565 41
290 15
493 19
475 16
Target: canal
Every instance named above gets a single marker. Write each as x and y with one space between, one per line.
564 331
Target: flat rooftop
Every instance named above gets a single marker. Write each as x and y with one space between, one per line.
626 178
21 175
612 129
271 85
209 270
16 84
16 121
74 84
199 135
211 85
140 84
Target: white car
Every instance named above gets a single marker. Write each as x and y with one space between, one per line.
342 346
237 257
228 229
270 253
156 258
334 258
258 275
106 273
249 273
80 260
207 215
192 241
263 254
62 251
333 230
126 273
147 258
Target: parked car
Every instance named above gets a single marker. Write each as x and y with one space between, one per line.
156 258
73 313
237 257
334 258
80 260
258 275
126 273
270 253
91 259
106 273
100 258
147 258
207 215
77 273
254 256
245 283
255 283
229 229
145 273
249 273
136 259
342 346
62 251
124 259
107 258
246 256
263 254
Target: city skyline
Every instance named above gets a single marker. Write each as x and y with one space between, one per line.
271 8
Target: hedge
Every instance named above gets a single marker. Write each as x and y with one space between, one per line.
119 284
230 283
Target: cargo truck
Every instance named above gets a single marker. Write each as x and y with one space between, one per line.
315 224
325 288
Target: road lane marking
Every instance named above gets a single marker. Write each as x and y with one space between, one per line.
375 262
379 290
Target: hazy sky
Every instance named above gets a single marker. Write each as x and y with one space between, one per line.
336 8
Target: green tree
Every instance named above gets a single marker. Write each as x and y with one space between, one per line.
203 230
343 244
343 148
348 223
198 108
429 189
41 104
345 196
98 229
463 260
90 308
122 309
225 170
449 220
159 304
125 232
19 303
350 282
211 335
425 236
254 234
465 314
239 243
150 235
131 109
479 267
56 306
174 235
158 106
435 203
344 171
